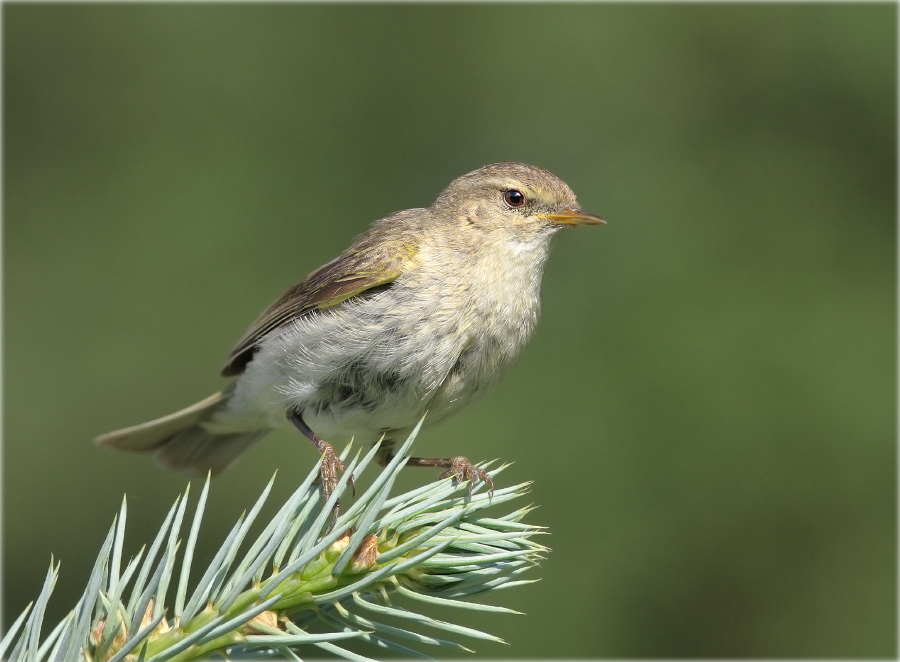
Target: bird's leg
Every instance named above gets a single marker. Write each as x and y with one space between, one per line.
331 463
459 467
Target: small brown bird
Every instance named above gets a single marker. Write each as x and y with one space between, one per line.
423 313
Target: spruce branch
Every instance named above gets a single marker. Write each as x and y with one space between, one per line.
301 586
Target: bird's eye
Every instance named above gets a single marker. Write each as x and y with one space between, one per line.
514 198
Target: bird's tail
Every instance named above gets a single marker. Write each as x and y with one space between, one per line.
179 440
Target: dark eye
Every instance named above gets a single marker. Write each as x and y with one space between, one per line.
514 197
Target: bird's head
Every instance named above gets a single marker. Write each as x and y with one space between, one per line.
513 201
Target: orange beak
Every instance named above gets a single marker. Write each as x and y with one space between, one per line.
574 217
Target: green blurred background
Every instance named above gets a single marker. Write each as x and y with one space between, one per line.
708 406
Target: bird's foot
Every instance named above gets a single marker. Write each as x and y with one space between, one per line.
461 469
331 469
331 466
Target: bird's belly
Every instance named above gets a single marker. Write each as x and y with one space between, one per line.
374 403
364 369
359 370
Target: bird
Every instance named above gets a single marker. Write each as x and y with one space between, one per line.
424 312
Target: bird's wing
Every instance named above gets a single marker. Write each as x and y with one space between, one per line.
358 270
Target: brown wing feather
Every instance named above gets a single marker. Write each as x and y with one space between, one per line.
361 268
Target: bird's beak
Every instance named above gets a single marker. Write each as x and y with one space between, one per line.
574 217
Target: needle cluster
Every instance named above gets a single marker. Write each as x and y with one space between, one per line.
301 586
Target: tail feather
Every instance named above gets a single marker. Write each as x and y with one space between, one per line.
199 451
179 441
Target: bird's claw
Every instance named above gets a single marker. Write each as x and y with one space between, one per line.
462 470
